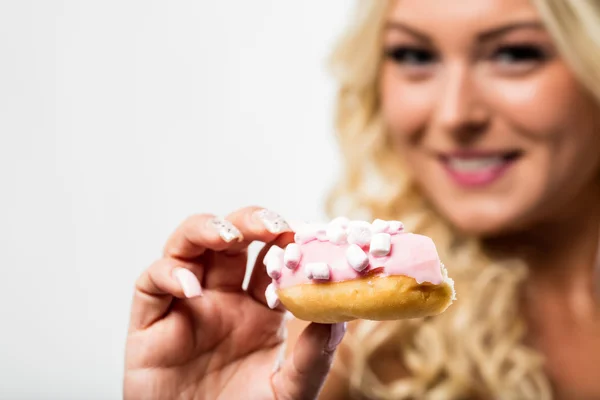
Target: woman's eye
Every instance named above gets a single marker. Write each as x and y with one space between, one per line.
518 54
411 56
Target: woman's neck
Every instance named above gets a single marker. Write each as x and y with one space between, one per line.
561 253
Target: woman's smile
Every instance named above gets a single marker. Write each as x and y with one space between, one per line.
477 168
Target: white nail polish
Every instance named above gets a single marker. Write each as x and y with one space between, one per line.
188 282
272 221
227 230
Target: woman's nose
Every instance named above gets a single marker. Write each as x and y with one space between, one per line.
460 110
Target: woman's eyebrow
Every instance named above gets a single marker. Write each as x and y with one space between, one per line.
400 26
504 29
484 36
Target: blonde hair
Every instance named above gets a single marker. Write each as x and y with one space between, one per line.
476 348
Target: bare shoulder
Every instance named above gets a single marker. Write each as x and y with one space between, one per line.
336 386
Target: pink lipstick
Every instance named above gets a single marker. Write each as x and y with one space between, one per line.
478 168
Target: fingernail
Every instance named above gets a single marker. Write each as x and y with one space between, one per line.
227 230
188 282
272 221
335 337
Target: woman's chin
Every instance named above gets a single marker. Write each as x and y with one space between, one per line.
482 225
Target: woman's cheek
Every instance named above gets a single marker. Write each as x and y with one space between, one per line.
405 105
539 106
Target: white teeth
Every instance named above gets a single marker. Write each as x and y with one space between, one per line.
474 164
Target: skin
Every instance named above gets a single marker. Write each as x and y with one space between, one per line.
486 76
450 91
188 346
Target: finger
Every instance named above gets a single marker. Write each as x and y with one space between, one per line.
303 373
199 233
257 224
156 287
226 270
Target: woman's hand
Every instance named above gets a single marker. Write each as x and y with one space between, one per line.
196 334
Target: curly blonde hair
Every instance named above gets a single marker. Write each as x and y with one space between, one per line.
477 348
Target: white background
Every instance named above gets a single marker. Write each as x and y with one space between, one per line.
119 118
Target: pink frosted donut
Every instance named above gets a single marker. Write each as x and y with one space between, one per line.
348 270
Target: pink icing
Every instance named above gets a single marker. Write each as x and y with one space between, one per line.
411 255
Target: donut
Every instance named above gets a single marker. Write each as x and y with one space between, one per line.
347 270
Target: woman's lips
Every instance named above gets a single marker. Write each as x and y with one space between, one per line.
472 169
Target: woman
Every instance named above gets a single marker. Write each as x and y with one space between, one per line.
477 124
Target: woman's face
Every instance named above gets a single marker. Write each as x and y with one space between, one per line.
490 119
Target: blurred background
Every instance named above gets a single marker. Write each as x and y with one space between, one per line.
118 119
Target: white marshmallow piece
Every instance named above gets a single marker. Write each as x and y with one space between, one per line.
292 255
305 234
274 261
379 226
336 234
381 243
340 221
271 296
395 227
359 232
357 258
321 232
317 270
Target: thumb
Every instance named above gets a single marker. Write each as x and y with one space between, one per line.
302 375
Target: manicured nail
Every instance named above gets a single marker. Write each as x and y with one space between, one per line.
272 221
335 337
227 230
188 282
